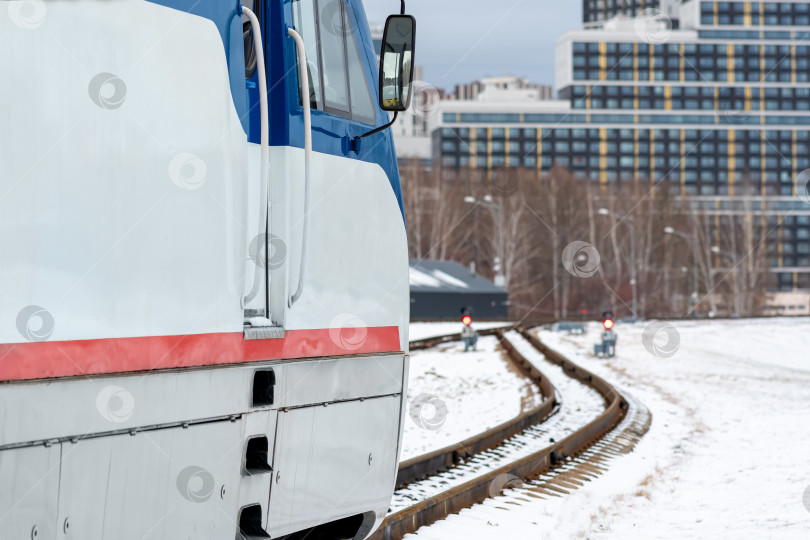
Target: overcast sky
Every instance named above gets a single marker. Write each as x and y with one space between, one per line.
460 41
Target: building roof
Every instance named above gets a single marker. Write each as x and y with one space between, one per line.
448 277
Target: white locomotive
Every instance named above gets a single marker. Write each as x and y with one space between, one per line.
203 269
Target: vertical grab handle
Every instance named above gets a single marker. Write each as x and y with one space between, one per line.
303 75
265 147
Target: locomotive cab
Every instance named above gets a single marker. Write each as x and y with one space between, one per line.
331 62
204 273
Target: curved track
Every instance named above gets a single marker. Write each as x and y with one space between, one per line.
556 467
443 459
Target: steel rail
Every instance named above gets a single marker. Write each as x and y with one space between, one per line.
408 520
445 458
430 342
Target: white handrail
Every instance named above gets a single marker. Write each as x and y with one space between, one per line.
260 273
303 75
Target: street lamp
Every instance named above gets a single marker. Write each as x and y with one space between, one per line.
693 243
730 255
737 289
488 202
627 220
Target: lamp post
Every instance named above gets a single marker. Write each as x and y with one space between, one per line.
627 220
693 243
489 202
737 288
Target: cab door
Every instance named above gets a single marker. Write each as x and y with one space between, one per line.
343 107
256 221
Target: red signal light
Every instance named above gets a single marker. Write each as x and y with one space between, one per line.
608 324
467 320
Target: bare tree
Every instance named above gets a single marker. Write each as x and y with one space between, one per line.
540 213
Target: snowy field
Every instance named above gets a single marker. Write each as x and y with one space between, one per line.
417 331
726 456
453 395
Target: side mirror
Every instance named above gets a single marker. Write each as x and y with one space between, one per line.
396 63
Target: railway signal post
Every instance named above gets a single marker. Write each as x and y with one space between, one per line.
468 334
607 348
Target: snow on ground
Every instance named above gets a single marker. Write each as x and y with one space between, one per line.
453 395
582 405
419 331
726 455
574 396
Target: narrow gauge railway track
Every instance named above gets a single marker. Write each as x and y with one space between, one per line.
445 458
557 467
430 342
509 494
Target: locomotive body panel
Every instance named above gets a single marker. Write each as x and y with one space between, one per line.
142 392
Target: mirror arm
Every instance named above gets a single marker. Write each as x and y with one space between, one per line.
381 128
403 8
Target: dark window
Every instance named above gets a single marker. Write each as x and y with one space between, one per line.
362 103
333 56
247 36
337 78
304 15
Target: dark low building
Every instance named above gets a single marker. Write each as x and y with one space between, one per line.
441 289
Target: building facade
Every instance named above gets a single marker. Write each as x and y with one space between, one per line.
719 107
596 12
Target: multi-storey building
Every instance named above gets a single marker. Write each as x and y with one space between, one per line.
594 11
597 12
719 108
